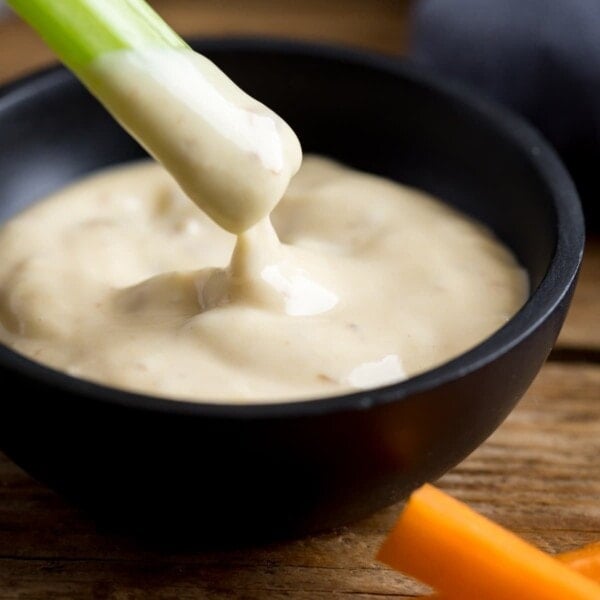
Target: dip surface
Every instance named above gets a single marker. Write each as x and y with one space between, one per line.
120 279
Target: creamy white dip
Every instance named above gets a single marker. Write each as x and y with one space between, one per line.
120 279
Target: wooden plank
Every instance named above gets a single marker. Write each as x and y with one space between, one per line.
376 24
539 475
582 327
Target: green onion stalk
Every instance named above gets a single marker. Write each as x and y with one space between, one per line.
81 31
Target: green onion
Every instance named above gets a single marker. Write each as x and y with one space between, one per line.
79 31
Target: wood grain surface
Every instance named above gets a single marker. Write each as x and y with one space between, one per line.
539 474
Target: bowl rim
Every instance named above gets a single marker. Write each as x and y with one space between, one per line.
542 302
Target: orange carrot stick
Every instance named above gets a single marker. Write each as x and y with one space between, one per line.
584 560
445 544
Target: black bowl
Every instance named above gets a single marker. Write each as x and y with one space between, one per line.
290 468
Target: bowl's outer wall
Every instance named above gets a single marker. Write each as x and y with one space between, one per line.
279 474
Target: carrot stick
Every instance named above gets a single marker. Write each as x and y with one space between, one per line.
445 544
584 560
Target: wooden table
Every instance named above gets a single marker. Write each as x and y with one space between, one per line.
539 474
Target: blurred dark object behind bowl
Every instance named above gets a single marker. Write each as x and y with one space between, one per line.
541 58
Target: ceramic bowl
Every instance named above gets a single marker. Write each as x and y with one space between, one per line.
291 468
